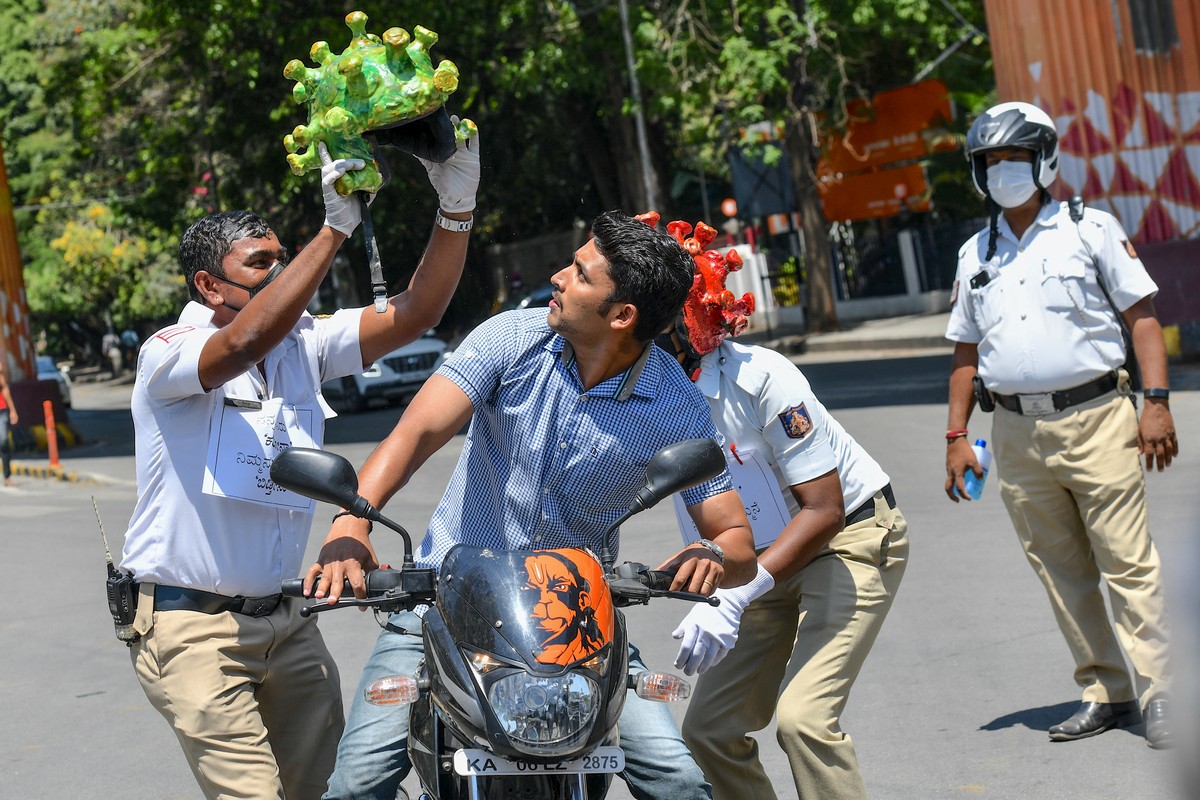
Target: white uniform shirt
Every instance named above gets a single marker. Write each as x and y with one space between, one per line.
762 403
179 536
1040 318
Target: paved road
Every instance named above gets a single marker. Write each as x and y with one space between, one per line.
954 701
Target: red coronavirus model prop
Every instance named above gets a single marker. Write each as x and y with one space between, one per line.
711 312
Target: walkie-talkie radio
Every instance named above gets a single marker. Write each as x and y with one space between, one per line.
121 591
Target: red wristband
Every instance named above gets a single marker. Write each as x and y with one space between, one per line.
952 435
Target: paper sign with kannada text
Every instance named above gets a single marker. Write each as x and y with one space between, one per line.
245 439
765 507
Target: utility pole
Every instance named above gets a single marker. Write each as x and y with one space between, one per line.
635 89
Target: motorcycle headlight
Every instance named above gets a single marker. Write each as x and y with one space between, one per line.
545 716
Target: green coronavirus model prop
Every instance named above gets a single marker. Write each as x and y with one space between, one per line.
375 84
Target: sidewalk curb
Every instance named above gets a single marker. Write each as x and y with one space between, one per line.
60 474
54 473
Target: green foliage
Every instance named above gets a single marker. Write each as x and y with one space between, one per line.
727 65
104 269
159 112
786 287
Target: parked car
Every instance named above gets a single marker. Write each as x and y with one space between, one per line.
396 376
539 297
47 370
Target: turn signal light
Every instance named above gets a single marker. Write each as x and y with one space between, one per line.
392 691
662 687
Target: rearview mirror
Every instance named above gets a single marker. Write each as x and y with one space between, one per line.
680 466
318 474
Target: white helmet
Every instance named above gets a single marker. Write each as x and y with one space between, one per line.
1014 125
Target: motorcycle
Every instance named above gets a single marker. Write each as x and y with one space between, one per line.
526 653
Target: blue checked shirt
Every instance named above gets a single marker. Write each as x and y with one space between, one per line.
546 464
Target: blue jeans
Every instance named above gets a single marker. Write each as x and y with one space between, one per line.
372 757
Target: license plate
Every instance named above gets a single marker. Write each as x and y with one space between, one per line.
484 762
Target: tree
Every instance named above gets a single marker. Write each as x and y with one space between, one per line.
727 65
114 277
160 112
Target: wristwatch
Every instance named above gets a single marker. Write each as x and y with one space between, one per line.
455 225
714 548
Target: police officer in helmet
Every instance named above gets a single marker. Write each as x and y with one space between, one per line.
1038 304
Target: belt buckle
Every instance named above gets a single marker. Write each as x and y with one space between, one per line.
1036 405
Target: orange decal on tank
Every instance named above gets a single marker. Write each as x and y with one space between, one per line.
573 607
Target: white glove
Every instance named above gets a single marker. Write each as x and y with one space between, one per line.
457 178
343 214
710 632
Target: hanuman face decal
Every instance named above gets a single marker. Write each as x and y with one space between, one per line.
572 607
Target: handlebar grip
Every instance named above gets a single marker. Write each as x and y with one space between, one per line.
379 582
294 587
658 580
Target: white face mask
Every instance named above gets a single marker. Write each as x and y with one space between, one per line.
1010 183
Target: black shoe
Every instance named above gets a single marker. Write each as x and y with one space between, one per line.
1094 718
1158 730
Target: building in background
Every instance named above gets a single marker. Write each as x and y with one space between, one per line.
16 342
1122 82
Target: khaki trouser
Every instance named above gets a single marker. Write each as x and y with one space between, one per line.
817 626
1073 486
254 701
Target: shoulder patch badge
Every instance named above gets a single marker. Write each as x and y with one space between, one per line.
167 334
796 422
1128 245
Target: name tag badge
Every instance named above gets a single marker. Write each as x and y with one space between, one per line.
755 482
245 438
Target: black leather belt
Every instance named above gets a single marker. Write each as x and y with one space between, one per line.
1036 405
173 598
867 510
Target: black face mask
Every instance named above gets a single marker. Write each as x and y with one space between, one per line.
271 275
691 359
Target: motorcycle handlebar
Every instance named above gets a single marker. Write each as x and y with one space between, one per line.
377 584
659 580
632 582
385 587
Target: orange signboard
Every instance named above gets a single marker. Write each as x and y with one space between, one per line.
869 195
900 124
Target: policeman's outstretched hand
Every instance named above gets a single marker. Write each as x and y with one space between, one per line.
1156 435
710 632
343 214
960 458
457 178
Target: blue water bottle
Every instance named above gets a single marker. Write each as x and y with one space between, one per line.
975 485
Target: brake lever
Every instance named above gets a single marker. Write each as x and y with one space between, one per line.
344 602
694 597
628 591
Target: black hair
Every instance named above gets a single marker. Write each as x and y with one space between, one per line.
648 268
205 244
